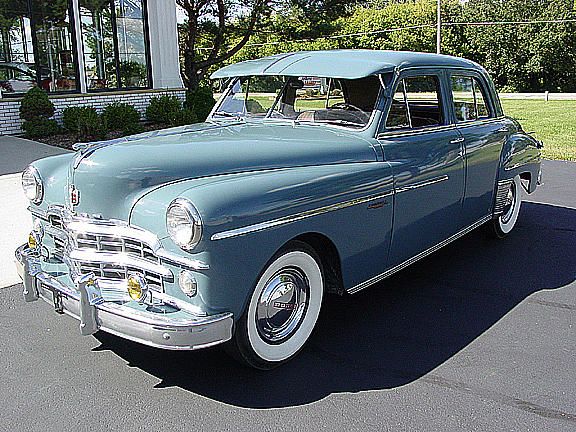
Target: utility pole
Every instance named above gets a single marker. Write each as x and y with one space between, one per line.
438 27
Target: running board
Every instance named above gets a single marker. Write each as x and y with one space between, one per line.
415 258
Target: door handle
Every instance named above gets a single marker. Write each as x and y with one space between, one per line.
503 129
457 140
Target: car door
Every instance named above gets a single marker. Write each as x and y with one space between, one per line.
425 151
484 133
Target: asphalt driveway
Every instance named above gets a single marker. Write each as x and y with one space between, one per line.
479 336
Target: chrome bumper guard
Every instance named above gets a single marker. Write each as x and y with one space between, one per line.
85 304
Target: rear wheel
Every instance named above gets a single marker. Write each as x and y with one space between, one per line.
283 309
505 222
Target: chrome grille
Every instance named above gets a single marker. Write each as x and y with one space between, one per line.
105 243
67 240
116 272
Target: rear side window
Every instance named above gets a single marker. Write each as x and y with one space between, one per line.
469 100
416 104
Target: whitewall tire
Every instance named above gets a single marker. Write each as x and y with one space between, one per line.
504 223
282 310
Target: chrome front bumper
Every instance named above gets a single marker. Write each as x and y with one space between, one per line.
149 328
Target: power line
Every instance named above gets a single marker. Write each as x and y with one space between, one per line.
413 27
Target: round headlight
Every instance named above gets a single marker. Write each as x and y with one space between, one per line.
32 185
183 223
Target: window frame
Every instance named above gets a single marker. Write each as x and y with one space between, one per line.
443 102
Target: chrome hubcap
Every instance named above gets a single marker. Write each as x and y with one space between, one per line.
509 207
282 305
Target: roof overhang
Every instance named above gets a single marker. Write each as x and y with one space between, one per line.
333 64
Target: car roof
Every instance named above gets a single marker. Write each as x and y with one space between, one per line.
350 63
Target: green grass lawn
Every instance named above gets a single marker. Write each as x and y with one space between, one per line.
553 122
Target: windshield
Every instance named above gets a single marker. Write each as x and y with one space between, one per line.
342 102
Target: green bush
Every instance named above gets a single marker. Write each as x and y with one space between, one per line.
35 105
91 126
40 127
71 115
200 102
163 109
36 110
132 129
184 117
121 116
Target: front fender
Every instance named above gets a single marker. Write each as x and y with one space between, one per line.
54 173
521 155
229 202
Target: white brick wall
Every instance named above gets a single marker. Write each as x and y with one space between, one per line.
10 122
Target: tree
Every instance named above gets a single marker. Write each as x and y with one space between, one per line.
223 27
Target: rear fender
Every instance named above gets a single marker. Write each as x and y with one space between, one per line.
521 155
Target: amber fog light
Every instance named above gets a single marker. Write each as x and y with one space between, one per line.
33 240
188 283
137 287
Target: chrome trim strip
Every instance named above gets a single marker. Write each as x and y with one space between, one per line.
411 132
417 257
189 263
294 218
37 212
422 184
479 122
119 259
425 130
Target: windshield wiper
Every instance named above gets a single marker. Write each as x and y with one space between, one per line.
227 114
340 122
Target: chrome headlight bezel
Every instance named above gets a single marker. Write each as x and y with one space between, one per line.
32 185
190 220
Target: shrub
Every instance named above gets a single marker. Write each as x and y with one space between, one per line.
70 117
90 125
163 109
184 117
35 105
200 102
121 116
40 127
36 110
132 129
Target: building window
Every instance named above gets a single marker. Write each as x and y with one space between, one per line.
114 44
36 46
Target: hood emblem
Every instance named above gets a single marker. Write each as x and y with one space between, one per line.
74 196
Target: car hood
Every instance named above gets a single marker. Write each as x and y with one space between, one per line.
112 176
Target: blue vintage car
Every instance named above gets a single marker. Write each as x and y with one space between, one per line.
316 173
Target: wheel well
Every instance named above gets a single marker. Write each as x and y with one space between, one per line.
330 259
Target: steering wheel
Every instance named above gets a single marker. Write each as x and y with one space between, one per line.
346 106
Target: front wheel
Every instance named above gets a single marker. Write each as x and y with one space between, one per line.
283 309
505 222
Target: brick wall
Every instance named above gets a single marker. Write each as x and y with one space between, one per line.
10 122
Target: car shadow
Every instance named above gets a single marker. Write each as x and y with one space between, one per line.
394 332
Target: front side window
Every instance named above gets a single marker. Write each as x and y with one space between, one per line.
36 46
415 104
342 102
469 101
113 38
